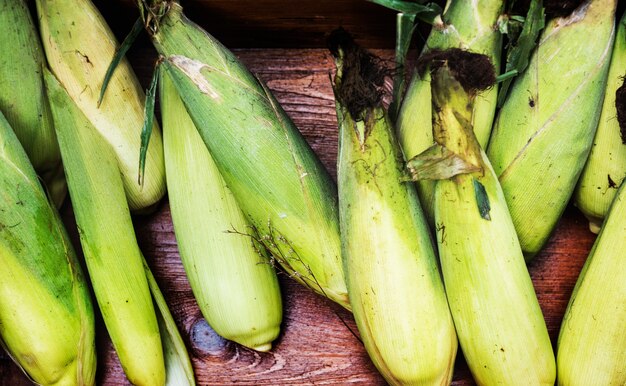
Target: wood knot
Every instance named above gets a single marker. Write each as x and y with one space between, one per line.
206 342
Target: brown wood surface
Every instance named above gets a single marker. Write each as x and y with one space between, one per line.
318 343
274 23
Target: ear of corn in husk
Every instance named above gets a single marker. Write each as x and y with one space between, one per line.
606 166
470 26
79 46
46 316
113 258
233 280
277 180
497 317
395 287
22 95
591 349
545 129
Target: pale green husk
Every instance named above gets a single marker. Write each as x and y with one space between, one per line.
113 258
79 46
277 180
469 25
497 317
592 342
606 166
178 368
544 131
22 95
46 315
395 287
232 278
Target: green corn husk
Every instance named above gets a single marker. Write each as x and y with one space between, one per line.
79 46
544 131
497 317
22 95
46 315
606 166
178 368
106 232
232 279
277 180
471 26
395 287
592 342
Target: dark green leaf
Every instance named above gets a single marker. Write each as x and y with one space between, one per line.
426 12
519 51
506 76
148 122
510 26
119 54
405 26
482 200
438 163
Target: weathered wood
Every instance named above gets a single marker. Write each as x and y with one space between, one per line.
318 343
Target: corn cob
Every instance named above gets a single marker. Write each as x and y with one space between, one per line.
113 258
46 316
592 342
79 46
495 310
395 287
545 129
231 277
606 166
278 182
471 26
22 95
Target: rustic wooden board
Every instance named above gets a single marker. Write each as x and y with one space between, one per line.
318 343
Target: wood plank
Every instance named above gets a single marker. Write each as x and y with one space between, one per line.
318 343
274 23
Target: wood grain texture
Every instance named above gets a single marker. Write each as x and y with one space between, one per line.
318 344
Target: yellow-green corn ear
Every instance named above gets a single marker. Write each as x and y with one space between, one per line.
232 279
606 166
497 317
46 315
79 46
22 94
395 287
277 180
544 131
113 258
591 349
468 25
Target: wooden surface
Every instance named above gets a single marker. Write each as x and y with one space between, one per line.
318 343
274 23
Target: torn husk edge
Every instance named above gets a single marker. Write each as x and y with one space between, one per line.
457 77
178 368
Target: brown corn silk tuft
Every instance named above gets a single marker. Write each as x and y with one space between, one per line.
363 76
473 71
